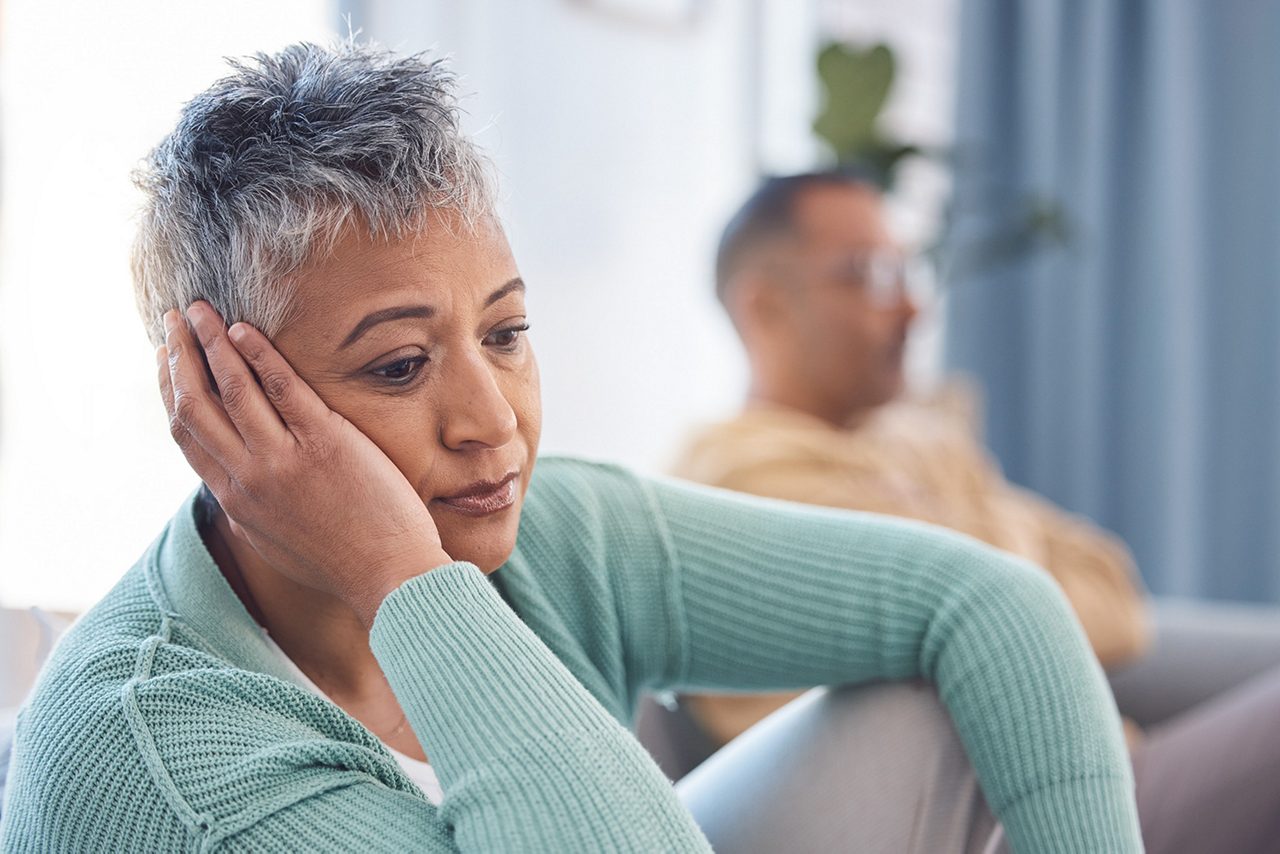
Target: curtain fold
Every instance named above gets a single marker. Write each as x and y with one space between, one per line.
1133 374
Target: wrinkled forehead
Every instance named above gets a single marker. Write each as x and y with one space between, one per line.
450 265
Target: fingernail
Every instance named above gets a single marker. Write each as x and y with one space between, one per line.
170 320
238 333
162 355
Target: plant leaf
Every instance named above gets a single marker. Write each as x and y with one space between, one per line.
857 83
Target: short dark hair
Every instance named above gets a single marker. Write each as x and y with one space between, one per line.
770 211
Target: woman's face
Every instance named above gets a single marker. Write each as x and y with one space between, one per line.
420 344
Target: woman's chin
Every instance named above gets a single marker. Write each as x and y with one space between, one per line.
487 549
485 539
488 562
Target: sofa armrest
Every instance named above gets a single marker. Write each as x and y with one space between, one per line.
1201 649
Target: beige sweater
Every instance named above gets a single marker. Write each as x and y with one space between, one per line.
920 460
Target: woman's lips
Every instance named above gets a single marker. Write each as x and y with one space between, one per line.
484 499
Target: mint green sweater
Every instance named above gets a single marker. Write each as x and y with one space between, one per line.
164 722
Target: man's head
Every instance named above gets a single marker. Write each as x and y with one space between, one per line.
815 285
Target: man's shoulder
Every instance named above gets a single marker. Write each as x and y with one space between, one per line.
715 453
772 438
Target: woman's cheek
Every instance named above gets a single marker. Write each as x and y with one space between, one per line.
529 410
401 427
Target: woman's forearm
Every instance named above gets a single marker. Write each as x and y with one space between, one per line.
528 759
780 596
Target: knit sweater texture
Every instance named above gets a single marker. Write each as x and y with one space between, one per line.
163 722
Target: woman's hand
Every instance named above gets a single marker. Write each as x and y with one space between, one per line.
312 494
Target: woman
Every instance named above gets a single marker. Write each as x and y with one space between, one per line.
320 652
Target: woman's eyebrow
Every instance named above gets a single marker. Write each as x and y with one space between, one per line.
383 316
402 312
513 286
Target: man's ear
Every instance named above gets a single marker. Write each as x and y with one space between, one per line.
757 300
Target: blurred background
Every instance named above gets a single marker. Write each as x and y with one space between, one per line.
1097 179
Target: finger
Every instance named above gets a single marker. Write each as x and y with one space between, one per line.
197 457
243 400
195 407
297 403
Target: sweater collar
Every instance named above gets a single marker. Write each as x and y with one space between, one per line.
188 587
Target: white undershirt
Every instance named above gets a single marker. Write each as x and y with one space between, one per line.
421 773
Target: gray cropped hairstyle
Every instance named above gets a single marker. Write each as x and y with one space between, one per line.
267 167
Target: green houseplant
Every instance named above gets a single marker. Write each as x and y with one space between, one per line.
857 82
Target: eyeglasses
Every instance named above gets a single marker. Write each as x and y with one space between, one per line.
884 275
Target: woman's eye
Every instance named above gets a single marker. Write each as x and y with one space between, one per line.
506 338
401 371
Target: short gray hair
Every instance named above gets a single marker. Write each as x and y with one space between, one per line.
267 166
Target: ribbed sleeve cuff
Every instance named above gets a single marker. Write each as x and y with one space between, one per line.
1090 815
528 759
473 679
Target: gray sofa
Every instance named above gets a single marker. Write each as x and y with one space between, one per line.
1200 650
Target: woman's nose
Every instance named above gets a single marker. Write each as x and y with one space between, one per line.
477 414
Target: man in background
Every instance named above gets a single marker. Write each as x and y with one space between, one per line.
819 293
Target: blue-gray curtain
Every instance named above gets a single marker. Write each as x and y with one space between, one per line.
1132 374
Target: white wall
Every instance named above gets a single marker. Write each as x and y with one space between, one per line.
622 148
88 474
